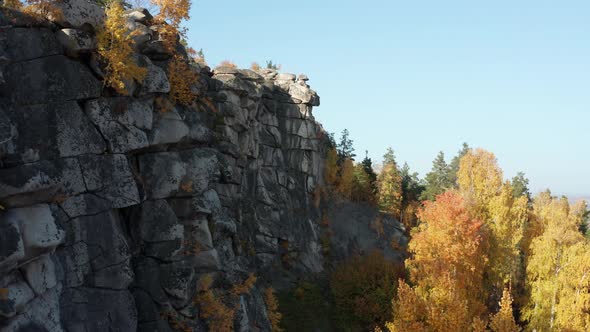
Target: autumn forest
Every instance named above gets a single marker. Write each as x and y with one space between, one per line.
483 254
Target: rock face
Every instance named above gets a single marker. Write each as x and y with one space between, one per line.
114 208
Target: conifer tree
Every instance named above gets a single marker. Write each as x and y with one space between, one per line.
411 192
345 147
368 166
455 164
520 186
437 180
362 190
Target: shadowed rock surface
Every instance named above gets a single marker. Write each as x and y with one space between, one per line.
114 207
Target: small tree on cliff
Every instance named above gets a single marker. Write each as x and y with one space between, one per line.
115 47
367 164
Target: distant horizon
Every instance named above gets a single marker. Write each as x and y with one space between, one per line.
510 77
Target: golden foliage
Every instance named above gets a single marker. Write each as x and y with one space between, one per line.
503 320
377 226
255 66
389 188
362 190
4 293
507 220
115 47
227 64
187 186
14 4
449 257
182 78
363 287
552 266
162 104
43 9
572 312
244 287
448 247
479 178
409 217
346 180
219 316
479 325
410 311
272 310
174 11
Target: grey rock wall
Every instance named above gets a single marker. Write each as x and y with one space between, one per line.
113 208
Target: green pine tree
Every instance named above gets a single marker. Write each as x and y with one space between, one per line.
438 180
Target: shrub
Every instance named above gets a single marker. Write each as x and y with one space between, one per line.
227 64
363 288
272 310
115 48
182 78
245 287
219 316
255 66
271 65
306 308
13 4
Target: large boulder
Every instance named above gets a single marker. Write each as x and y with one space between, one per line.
43 181
61 130
183 173
11 244
76 41
78 14
39 231
123 122
21 44
84 309
110 177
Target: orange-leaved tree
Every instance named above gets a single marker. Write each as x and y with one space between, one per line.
505 218
447 265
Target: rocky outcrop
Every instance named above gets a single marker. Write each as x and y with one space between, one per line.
114 207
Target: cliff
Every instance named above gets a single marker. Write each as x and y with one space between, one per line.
115 207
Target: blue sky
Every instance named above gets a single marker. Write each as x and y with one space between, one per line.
512 77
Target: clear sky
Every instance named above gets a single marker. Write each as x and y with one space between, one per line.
512 77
